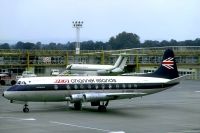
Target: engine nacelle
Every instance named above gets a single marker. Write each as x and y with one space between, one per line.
94 97
76 97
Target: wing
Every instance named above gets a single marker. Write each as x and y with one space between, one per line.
90 97
114 96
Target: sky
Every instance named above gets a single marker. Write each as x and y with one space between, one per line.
51 20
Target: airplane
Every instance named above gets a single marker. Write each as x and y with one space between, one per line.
98 90
96 69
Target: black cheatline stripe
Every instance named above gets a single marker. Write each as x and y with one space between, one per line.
50 87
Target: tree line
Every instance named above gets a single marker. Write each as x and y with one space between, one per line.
123 40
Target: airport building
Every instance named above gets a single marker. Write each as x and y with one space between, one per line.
141 60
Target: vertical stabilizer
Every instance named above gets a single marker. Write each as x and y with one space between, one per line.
117 63
123 62
168 68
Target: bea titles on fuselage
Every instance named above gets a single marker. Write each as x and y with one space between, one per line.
82 81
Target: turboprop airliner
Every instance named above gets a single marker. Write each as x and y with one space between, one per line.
96 69
98 90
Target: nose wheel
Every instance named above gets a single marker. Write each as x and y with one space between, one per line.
26 109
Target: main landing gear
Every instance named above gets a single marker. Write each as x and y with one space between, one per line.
102 108
26 109
101 105
78 105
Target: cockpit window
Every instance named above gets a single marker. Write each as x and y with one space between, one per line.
21 82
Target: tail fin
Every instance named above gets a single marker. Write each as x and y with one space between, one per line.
168 68
120 67
117 63
123 62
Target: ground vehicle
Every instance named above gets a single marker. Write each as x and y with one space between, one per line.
55 72
6 78
26 74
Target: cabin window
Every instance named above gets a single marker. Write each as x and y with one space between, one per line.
55 87
81 86
135 85
124 86
103 86
129 86
89 86
117 86
96 86
110 86
68 87
75 87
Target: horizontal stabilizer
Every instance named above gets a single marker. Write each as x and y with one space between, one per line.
176 80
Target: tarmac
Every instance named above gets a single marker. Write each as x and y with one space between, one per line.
176 110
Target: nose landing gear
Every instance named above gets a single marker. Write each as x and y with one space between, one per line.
26 109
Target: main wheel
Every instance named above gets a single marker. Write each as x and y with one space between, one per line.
78 106
102 108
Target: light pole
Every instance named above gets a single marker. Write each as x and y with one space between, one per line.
77 25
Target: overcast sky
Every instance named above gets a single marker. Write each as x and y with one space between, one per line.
51 20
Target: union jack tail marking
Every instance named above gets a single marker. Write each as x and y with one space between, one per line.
168 63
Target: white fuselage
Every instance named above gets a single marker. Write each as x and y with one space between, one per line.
97 69
89 69
39 89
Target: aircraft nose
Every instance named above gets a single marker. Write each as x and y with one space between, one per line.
5 95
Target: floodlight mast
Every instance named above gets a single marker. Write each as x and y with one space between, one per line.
77 25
